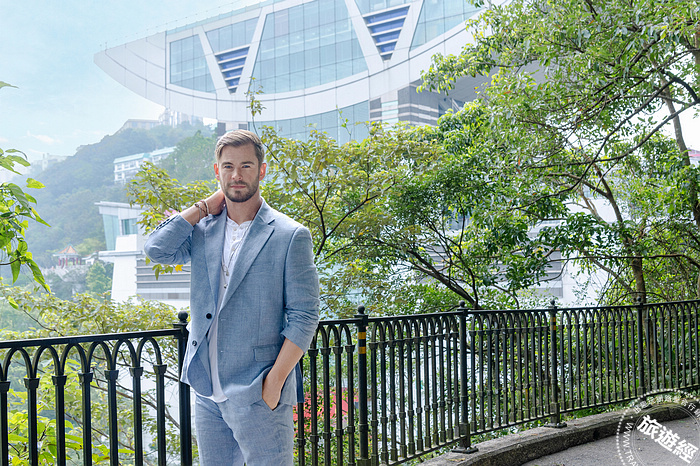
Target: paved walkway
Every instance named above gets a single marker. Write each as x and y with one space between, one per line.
666 438
639 450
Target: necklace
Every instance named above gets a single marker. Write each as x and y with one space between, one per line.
235 243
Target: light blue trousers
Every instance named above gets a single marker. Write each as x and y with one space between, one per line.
253 435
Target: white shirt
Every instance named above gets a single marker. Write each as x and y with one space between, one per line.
233 239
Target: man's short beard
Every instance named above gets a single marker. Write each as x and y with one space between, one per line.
243 196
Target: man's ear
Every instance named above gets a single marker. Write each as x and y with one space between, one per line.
263 170
216 170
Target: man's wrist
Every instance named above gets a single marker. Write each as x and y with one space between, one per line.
274 379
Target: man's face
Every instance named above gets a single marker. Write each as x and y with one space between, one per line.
238 172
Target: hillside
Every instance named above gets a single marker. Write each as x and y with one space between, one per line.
72 188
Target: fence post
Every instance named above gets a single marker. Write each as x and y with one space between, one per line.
184 391
555 410
641 375
363 426
465 439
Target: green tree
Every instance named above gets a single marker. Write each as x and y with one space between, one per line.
456 224
578 95
16 210
99 278
333 189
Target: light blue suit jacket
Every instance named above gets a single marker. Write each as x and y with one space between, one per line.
272 295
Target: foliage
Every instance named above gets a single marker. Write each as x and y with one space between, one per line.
456 224
337 191
99 278
577 97
162 196
16 210
193 159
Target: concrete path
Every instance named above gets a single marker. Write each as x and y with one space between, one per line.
641 449
666 438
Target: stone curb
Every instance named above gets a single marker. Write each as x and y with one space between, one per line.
516 449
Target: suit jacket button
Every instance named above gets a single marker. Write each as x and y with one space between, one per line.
208 315
194 343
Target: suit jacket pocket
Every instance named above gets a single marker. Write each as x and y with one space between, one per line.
266 352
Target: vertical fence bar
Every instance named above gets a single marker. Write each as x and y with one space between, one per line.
85 379
403 442
640 347
411 412
32 384
313 414
339 431
554 408
374 458
392 417
136 374
59 382
5 447
159 370
184 401
112 375
352 454
326 433
363 426
465 441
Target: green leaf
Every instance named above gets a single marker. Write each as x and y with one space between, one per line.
14 265
32 183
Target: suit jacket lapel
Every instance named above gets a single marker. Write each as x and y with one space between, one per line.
213 245
258 234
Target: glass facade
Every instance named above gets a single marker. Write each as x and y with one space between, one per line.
305 46
438 17
370 6
188 67
232 36
338 124
230 45
309 44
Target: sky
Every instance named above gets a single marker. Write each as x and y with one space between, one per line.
62 99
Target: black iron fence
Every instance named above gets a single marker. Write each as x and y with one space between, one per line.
95 399
379 390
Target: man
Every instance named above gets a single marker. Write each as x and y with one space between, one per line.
253 308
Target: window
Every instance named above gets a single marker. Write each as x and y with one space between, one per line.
129 226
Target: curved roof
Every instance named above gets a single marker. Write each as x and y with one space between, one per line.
301 57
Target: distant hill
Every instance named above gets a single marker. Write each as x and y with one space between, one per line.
67 203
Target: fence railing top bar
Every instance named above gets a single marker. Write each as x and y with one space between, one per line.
582 308
355 320
35 342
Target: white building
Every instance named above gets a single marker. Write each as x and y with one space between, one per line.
316 62
126 167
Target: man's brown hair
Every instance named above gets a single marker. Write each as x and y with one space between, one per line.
238 138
